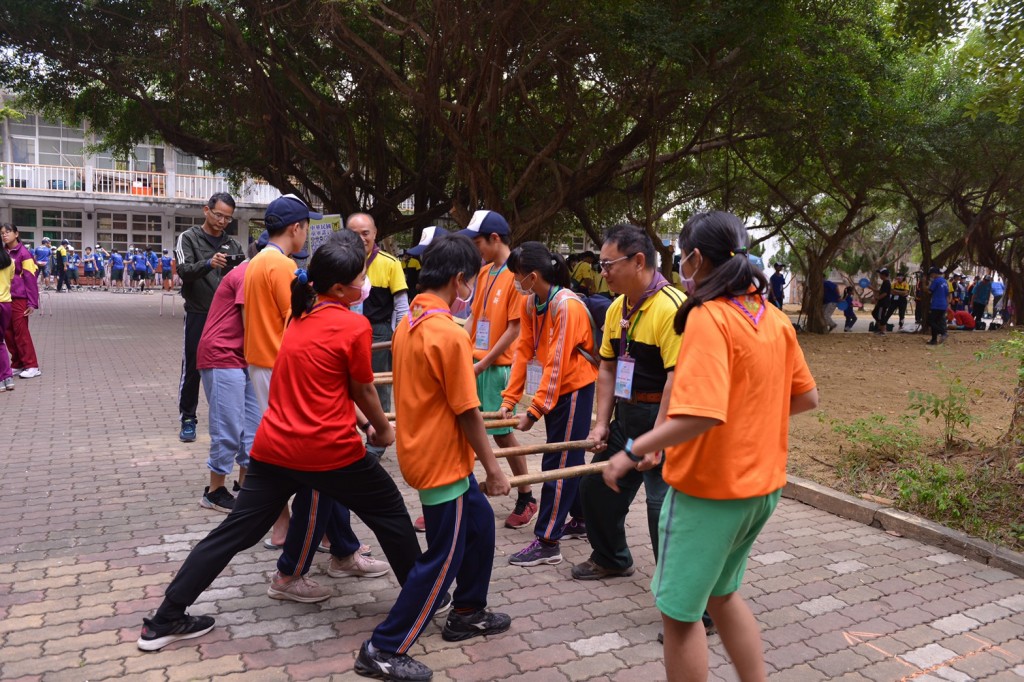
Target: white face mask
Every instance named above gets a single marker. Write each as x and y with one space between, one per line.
519 287
461 305
688 282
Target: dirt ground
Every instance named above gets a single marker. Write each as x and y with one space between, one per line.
862 374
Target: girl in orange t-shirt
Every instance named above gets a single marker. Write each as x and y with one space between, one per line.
554 360
739 377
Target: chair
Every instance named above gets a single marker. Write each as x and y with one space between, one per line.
163 296
49 303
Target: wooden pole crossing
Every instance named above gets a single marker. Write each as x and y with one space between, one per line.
556 474
543 448
486 416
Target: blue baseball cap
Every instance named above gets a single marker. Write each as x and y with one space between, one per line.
486 223
426 237
288 209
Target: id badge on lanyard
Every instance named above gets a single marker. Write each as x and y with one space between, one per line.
533 375
624 377
483 335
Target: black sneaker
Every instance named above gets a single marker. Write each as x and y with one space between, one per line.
188 431
574 529
591 570
235 487
459 627
155 637
218 500
385 666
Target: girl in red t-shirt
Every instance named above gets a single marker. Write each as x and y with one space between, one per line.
323 366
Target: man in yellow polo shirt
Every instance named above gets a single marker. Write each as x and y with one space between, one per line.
387 302
638 357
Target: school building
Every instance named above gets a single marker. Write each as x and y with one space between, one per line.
52 186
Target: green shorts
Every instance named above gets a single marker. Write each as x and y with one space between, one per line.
489 385
704 549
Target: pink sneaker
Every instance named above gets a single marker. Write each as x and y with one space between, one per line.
420 525
301 589
356 566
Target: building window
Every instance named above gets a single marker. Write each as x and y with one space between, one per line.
35 140
59 225
112 231
147 231
182 223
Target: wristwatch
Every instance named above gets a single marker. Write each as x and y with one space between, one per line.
629 452
365 428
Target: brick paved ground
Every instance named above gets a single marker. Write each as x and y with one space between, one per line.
99 507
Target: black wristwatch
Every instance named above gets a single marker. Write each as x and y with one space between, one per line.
529 415
365 428
628 449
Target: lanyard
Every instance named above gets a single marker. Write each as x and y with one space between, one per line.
280 250
491 273
746 311
413 323
537 314
626 332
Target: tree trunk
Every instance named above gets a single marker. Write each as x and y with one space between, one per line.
1014 435
814 293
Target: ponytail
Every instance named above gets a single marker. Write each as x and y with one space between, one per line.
722 239
535 257
303 295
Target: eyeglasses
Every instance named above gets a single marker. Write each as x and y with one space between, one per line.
607 264
220 217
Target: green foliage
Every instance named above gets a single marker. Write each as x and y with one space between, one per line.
953 408
874 438
933 489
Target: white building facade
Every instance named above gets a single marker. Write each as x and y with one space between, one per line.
50 186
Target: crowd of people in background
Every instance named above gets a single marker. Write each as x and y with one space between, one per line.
62 268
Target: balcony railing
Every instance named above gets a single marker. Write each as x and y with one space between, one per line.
105 181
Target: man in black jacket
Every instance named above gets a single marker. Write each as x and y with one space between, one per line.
204 255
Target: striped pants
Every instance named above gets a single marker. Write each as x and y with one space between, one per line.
460 548
568 420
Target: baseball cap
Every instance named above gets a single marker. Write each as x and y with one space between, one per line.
933 270
426 237
46 240
288 209
265 239
883 271
485 223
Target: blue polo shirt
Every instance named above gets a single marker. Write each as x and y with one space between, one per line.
940 293
42 254
139 262
831 292
165 264
117 262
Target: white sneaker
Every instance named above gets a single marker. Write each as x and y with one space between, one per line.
356 566
30 373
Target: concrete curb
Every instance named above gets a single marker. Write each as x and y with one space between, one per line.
903 523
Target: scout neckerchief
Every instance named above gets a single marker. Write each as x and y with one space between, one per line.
658 282
418 314
325 303
373 255
754 312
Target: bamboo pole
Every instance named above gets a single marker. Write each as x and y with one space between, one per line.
380 345
556 474
486 416
543 448
381 381
500 423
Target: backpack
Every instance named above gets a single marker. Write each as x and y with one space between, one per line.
560 298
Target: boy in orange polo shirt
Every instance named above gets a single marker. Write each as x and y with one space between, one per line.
739 377
436 401
494 329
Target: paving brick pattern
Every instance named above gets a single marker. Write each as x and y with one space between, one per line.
99 507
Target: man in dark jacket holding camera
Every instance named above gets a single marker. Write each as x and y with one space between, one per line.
204 255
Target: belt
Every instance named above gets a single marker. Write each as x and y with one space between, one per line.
646 397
